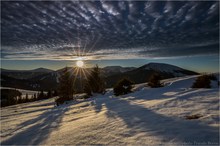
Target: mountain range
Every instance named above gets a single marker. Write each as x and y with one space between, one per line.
45 79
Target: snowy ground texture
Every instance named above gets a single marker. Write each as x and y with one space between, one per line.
145 117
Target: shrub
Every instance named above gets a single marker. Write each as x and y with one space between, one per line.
154 81
124 86
202 82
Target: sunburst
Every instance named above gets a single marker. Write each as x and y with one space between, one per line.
79 63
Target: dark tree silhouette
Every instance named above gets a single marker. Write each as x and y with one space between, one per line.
154 81
19 99
41 95
10 97
123 86
55 93
35 97
49 94
66 87
94 82
26 98
202 82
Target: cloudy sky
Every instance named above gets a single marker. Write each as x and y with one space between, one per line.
103 31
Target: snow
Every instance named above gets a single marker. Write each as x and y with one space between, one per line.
148 116
164 68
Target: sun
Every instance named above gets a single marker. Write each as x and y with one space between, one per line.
79 63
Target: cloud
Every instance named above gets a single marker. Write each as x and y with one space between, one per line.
108 29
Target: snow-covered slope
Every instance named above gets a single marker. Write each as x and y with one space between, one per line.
145 117
167 68
162 67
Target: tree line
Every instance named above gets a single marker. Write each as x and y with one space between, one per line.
13 96
93 84
96 84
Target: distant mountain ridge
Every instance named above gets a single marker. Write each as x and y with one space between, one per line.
111 74
167 68
33 70
116 69
24 74
161 67
143 73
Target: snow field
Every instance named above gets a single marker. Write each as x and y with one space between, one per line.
145 117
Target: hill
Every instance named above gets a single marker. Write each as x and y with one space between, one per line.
25 74
143 73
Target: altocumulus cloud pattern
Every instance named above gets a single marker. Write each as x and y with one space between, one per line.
108 29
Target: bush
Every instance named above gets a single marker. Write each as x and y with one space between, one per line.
124 86
154 81
202 82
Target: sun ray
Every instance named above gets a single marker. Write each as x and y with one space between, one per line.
77 70
89 51
83 71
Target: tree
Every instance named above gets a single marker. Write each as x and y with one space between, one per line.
202 82
66 86
123 86
26 98
19 99
49 94
55 93
9 97
212 77
154 81
94 82
41 95
87 89
35 97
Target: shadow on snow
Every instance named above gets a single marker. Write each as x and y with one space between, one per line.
140 119
40 128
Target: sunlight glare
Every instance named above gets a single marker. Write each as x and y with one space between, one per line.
79 63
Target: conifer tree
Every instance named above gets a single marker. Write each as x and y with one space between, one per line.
66 85
94 82
49 94
202 82
154 81
19 100
35 97
41 95
123 86
26 98
55 93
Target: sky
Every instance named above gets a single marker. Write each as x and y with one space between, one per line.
127 33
